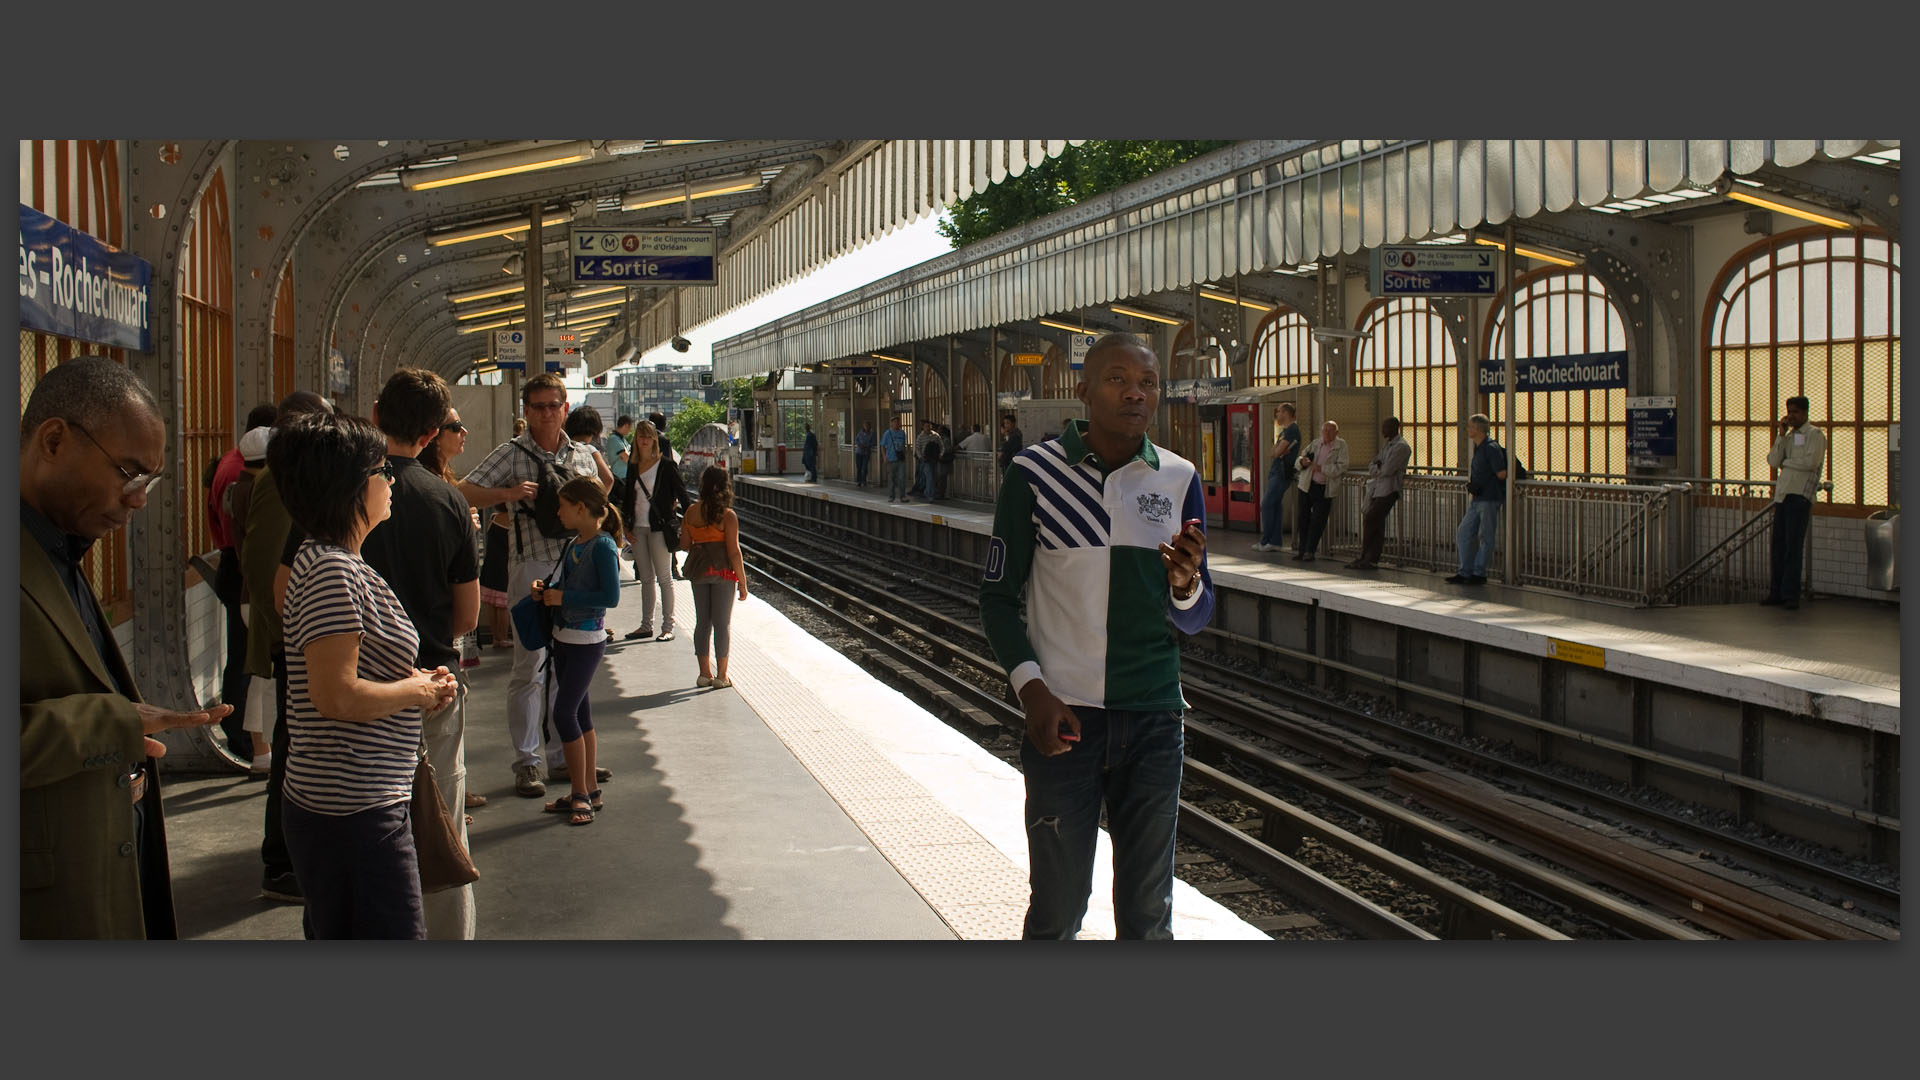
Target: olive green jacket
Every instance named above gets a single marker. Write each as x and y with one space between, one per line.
79 877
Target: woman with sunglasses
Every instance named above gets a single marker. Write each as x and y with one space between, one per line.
354 698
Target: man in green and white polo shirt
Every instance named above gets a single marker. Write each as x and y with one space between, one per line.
1088 535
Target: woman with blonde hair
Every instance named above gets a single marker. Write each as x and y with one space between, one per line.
656 497
711 539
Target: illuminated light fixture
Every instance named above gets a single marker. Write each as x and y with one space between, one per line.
580 293
481 232
1538 252
698 189
504 308
498 324
1118 310
1806 211
486 168
484 312
895 359
484 294
1070 329
1225 299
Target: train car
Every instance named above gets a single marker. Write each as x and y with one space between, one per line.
709 446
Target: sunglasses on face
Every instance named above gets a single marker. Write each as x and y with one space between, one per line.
546 406
454 426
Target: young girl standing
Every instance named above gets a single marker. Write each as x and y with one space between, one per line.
589 584
711 537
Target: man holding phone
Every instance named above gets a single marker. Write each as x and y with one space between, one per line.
1799 452
1100 535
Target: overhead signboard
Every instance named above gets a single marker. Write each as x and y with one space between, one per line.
810 380
1585 371
1077 347
73 285
510 350
1432 270
677 256
1653 432
1029 359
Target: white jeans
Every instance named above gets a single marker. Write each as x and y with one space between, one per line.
653 564
450 912
529 679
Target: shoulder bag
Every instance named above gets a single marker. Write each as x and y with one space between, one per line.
532 622
667 522
444 861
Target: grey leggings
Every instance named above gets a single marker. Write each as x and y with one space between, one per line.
712 608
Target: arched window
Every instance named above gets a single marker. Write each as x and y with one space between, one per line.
1810 312
977 394
282 382
1057 376
1283 350
1183 420
1562 312
933 402
1404 344
77 181
206 351
1013 377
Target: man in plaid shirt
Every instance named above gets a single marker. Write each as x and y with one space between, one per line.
511 474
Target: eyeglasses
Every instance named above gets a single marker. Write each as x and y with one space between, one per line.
546 406
139 483
456 427
385 469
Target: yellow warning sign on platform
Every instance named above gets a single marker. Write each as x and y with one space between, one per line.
1575 653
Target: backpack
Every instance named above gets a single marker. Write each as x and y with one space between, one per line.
546 502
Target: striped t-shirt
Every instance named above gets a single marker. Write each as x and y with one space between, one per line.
342 767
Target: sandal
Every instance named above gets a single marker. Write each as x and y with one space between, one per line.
594 797
582 813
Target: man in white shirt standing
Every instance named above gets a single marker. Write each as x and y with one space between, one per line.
1799 452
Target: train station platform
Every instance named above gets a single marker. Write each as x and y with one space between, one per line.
1836 658
807 802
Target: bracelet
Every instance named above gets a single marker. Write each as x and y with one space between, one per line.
1192 587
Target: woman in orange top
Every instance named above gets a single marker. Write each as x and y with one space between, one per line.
710 535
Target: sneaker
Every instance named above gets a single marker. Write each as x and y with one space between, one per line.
282 886
1477 579
526 782
665 635
1263 547
262 764
704 680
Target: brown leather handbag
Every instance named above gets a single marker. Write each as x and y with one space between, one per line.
444 862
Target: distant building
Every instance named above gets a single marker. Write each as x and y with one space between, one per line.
639 391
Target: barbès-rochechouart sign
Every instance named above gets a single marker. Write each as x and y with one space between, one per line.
73 285
1534 374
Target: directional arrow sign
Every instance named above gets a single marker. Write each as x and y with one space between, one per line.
681 256
1432 271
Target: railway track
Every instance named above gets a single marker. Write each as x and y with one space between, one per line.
1355 829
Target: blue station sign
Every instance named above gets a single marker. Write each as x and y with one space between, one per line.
677 256
1432 270
1653 432
73 285
1536 374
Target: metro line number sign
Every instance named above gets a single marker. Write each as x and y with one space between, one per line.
667 256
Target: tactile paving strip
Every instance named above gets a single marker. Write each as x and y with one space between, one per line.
974 888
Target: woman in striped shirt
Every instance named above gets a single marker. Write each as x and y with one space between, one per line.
354 698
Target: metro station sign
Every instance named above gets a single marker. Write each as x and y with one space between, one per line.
1431 270
73 285
666 256
510 349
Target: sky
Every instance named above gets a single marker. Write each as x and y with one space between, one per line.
906 246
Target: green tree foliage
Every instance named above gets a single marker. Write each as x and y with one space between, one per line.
692 415
1080 172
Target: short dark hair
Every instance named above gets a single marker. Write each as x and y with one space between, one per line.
321 462
262 415
1799 400
298 402
583 423
1291 411
1120 339
94 392
413 404
1008 417
622 422
659 420
546 380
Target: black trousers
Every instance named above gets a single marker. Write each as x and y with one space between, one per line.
273 840
1316 506
1373 527
1789 542
233 680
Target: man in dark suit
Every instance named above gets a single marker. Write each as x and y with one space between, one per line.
93 846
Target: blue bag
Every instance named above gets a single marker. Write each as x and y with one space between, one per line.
533 620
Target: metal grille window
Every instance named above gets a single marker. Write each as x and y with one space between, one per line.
282 383
1404 344
933 401
77 181
1283 350
1567 432
1057 377
978 396
206 353
1809 312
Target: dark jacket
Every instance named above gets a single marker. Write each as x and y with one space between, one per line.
1483 481
79 877
669 489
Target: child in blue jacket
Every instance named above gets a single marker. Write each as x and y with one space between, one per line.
588 585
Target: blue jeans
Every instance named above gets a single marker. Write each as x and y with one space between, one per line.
1130 762
1479 531
860 462
896 480
928 480
1273 506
